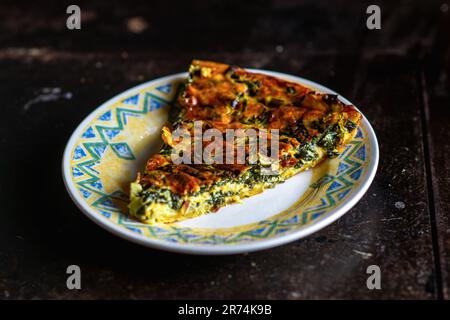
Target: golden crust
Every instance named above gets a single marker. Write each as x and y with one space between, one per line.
223 97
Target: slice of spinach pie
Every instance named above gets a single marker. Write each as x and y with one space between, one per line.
306 125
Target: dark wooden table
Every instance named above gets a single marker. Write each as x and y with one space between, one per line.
51 78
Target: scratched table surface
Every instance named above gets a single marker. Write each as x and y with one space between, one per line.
52 77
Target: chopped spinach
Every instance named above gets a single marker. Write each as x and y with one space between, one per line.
350 125
307 152
291 90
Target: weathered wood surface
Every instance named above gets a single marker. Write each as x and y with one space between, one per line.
436 117
398 76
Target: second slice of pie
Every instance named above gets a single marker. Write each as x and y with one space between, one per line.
311 127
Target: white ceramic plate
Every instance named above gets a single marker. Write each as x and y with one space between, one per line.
114 141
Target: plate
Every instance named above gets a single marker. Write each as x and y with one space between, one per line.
115 140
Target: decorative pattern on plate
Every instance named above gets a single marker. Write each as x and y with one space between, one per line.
105 159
